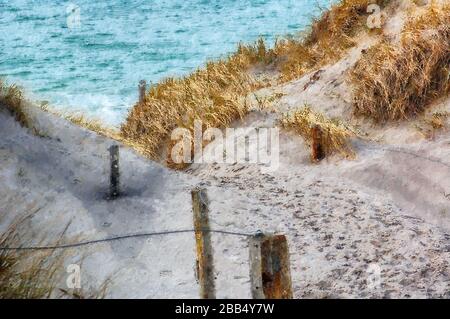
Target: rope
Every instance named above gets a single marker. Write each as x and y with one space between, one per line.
408 152
116 238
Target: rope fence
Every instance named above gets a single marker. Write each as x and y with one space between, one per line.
268 253
130 236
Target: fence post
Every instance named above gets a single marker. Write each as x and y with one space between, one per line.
270 274
114 188
205 268
255 266
142 90
317 150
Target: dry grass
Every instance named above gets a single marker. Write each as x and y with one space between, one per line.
335 134
35 281
79 119
25 274
433 123
438 120
92 125
11 97
395 81
329 37
217 94
35 274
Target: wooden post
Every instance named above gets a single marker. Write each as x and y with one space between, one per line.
142 89
255 266
114 188
205 268
270 274
317 150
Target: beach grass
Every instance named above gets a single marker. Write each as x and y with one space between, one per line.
217 93
36 274
336 134
11 97
26 274
398 80
327 39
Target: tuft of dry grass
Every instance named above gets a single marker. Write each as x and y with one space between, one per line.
11 97
431 124
25 274
335 134
94 125
35 274
395 81
438 120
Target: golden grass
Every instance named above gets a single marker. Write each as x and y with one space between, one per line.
11 97
438 120
94 125
329 37
335 134
217 94
395 81
433 123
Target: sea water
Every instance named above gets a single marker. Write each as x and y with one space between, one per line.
89 56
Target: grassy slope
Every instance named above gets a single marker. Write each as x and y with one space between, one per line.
216 94
397 80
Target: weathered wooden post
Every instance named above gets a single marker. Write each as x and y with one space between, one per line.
114 188
205 268
270 274
317 148
256 266
142 89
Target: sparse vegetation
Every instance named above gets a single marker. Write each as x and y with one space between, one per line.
11 97
25 274
395 81
81 120
335 133
438 120
91 124
433 123
35 274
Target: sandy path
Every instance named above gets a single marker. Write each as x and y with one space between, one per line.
340 232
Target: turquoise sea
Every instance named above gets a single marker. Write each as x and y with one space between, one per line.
89 55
